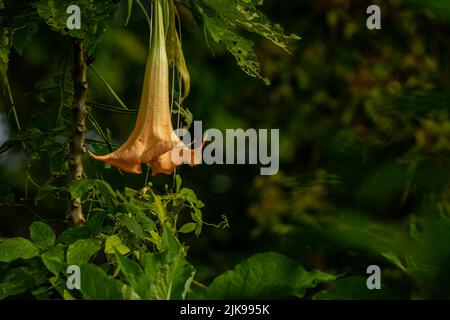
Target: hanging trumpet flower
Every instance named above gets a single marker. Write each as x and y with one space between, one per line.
153 140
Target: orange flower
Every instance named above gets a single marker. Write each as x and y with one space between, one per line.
153 139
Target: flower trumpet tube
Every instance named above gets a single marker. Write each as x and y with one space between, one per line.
153 140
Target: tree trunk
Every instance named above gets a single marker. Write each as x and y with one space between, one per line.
76 142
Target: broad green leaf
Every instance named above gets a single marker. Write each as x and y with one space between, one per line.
354 288
134 275
171 245
95 222
115 243
54 260
17 248
265 276
81 251
97 285
73 234
19 280
188 227
169 277
42 235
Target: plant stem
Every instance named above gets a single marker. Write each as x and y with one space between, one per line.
79 112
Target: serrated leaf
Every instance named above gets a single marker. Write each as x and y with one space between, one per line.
42 235
81 251
17 248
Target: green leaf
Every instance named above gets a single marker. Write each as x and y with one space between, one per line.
19 280
97 285
188 227
171 245
130 8
42 235
354 288
133 226
78 188
134 275
54 260
95 222
241 48
115 243
223 19
147 223
178 183
93 14
81 251
169 277
107 192
17 248
265 276
245 14
73 234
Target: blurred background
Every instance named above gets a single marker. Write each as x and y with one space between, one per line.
364 134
